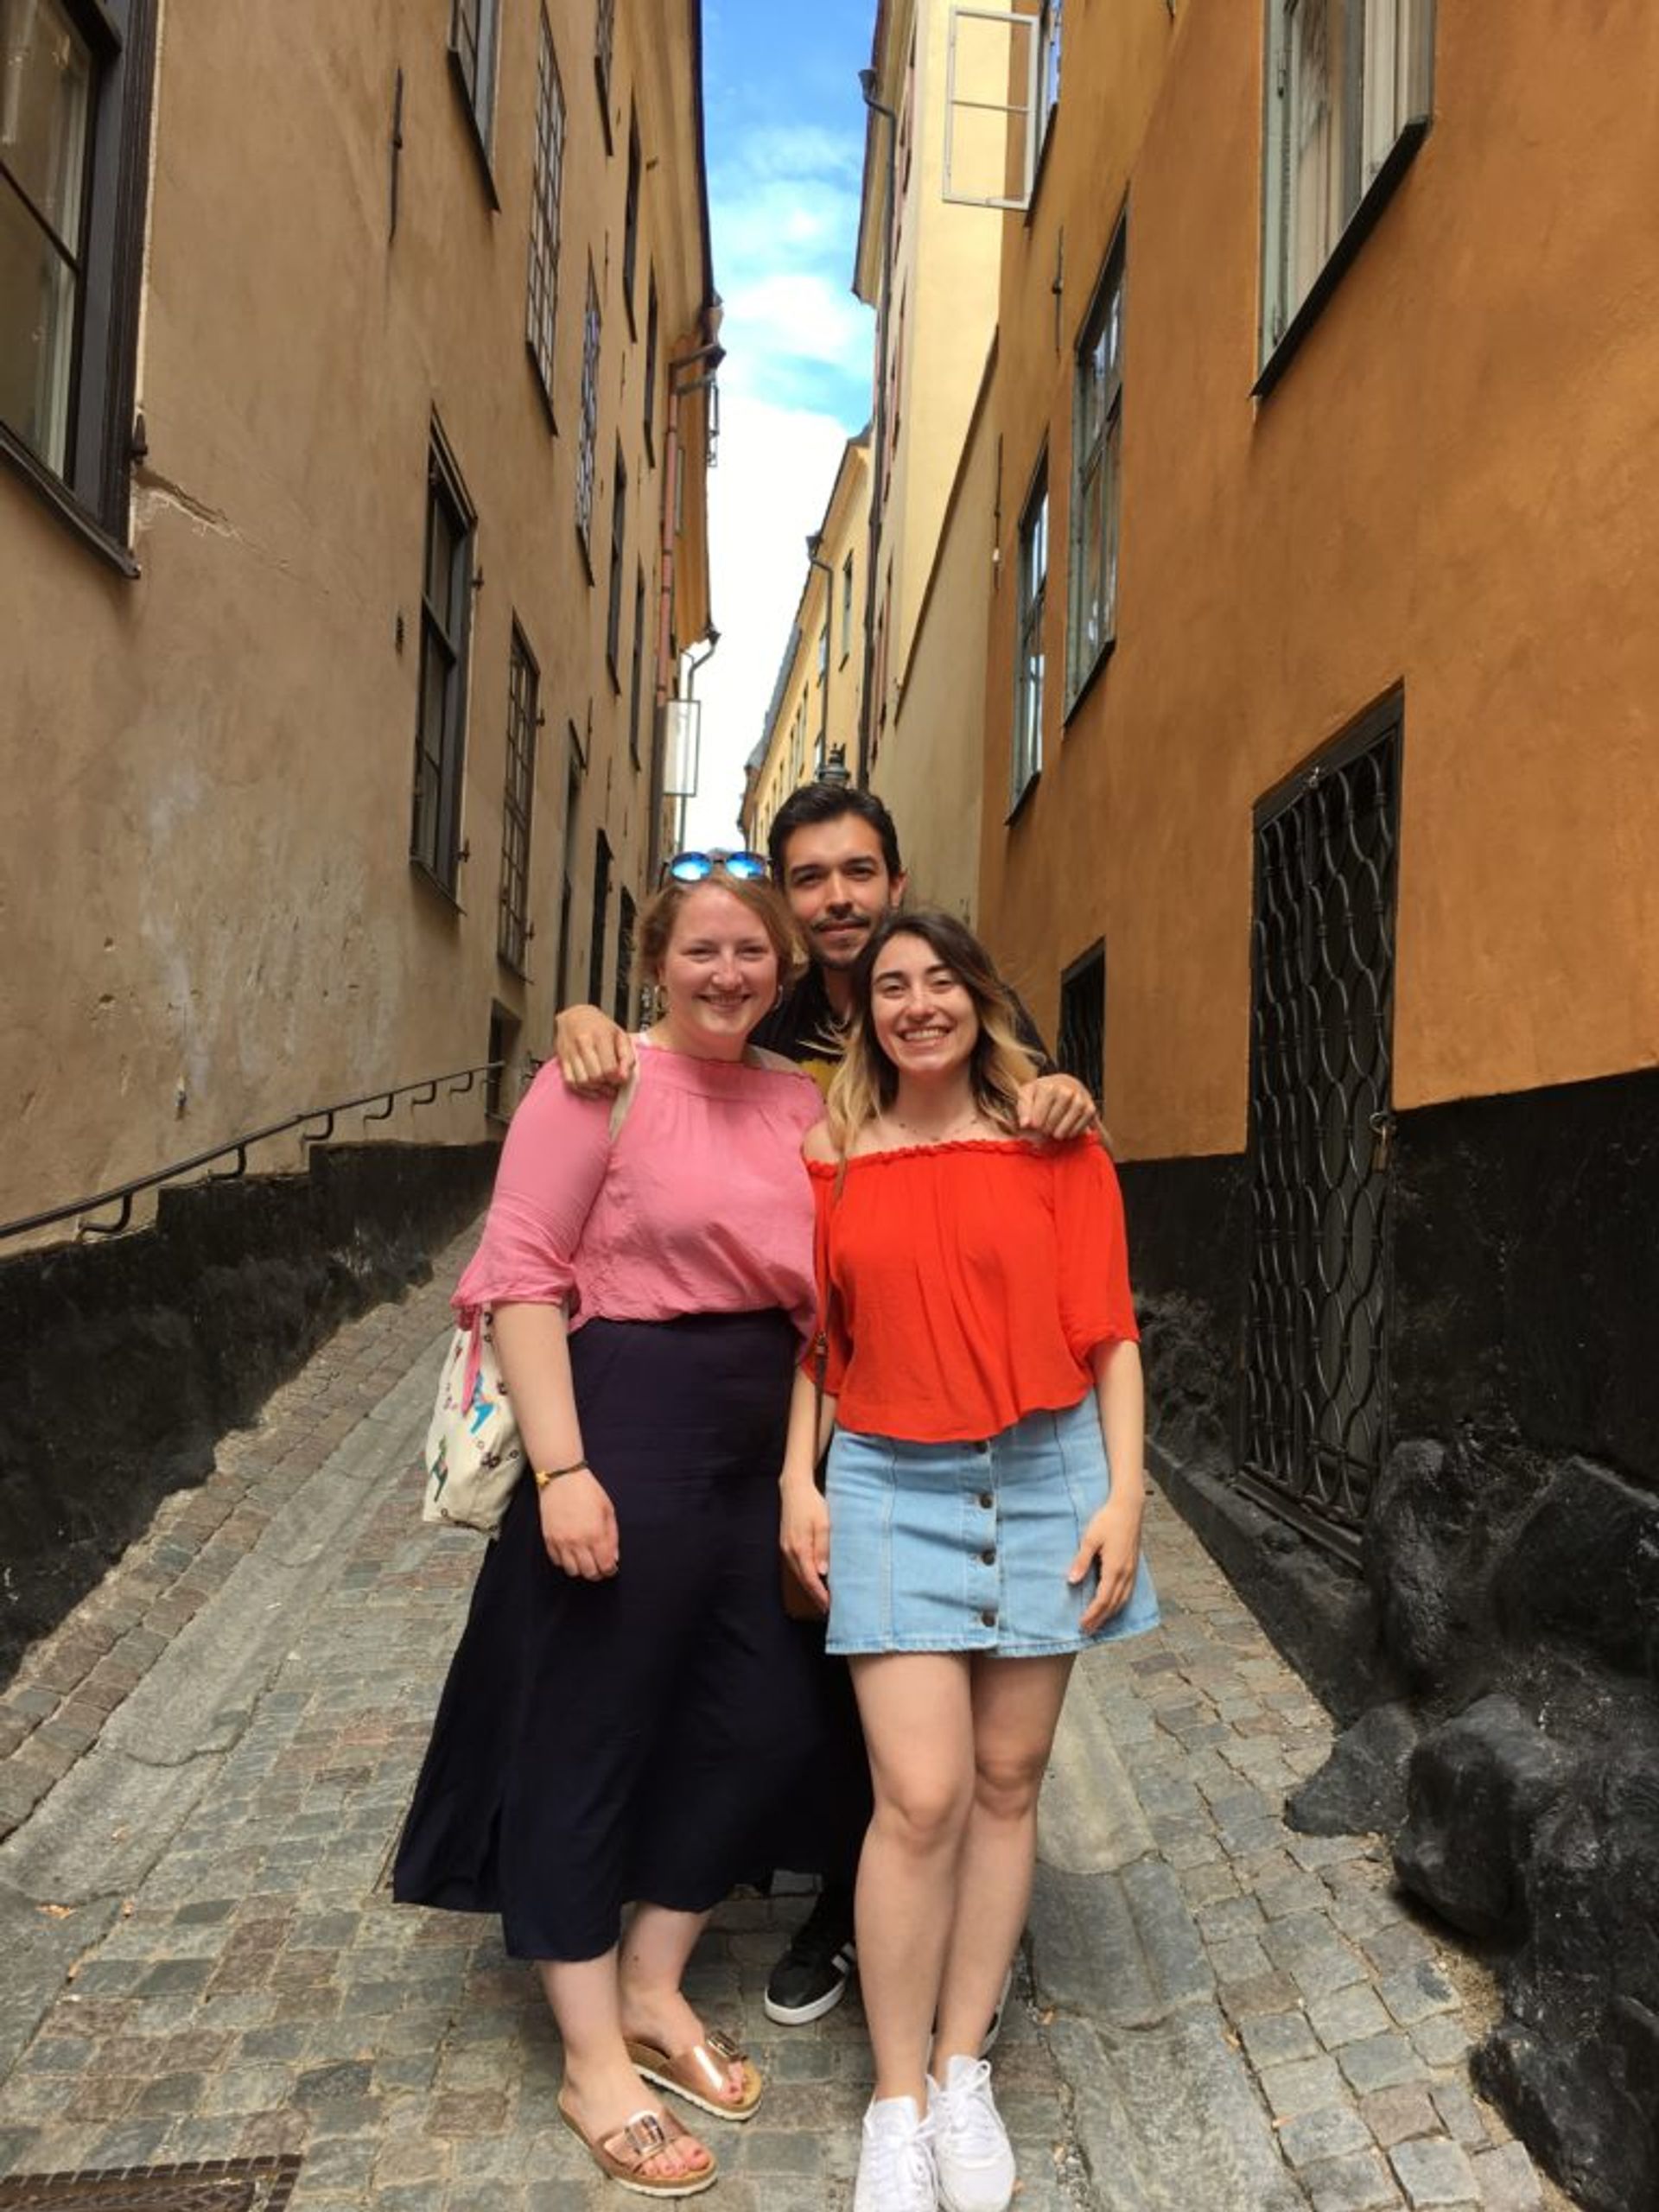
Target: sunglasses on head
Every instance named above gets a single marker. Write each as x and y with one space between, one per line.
693 867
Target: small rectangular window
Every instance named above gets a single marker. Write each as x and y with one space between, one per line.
602 910
588 443
631 224
473 28
75 86
637 685
573 775
847 607
46 106
625 917
652 333
619 542
1097 469
1349 87
1033 599
604 46
524 714
546 213
1083 1022
441 710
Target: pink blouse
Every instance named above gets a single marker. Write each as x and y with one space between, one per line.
698 1206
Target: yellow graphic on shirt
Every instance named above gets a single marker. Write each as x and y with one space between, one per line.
822 1071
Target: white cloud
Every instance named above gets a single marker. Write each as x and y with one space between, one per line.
789 317
777 465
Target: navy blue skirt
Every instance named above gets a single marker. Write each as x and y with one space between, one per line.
665 1733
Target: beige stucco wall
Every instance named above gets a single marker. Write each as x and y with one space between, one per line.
928 770
211 916
945 261
1455 486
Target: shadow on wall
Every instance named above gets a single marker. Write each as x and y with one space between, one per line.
129 1360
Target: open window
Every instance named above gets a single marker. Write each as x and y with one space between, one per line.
996 103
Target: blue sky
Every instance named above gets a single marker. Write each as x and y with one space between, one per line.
786 146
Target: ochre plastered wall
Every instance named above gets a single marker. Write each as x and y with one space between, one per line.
210 914
1454 487
927 770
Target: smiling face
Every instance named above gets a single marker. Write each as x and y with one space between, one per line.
837 881
719 974
922 1012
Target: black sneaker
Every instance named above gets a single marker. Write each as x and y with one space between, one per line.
811 1977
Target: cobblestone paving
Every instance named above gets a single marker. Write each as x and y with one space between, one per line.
1213 2014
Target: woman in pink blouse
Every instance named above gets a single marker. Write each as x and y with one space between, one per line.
625 1713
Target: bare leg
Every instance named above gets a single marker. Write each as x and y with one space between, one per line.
918 1724
656 1951
602 2089
1016 1708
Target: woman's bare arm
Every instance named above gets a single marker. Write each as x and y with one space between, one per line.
1111 1543
578 1520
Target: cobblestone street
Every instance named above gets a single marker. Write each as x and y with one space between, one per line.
205 1772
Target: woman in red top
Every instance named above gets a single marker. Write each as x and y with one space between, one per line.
981 1523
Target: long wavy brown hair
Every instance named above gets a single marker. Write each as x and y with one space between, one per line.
867 1081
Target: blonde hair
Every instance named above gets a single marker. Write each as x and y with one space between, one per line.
663 910
867 1081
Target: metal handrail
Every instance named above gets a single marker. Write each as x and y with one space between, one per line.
460 1080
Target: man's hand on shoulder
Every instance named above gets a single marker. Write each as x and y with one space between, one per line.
595 1056
1056 1106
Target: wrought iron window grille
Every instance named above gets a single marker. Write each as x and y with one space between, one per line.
1313 1414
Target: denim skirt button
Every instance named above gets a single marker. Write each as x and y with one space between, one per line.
987 1619
988 1558
986 1501
981 1447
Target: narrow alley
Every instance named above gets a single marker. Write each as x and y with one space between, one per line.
208 1764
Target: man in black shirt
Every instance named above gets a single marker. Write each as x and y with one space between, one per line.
835 855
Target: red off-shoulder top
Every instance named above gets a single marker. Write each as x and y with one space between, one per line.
967 1284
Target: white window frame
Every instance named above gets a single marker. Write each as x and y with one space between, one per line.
481 21
1381 111
588 444
1030 663
1017 24
1097 458
546 213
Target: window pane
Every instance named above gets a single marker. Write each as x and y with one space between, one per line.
44 93
1316 148
1090 534
37 323
440 556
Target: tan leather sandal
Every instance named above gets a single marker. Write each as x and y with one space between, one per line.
620 2158
700 2075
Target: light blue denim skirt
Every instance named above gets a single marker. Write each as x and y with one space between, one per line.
965 1547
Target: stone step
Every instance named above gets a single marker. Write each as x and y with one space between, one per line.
1165 2113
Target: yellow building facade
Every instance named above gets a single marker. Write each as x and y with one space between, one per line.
813 717
1319 831
352 521
929 266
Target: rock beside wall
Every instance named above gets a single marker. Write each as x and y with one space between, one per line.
127 1361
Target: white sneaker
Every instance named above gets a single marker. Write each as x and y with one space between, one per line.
895 2166
970 2145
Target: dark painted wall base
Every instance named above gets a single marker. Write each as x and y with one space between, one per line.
1500 1653
128 1361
